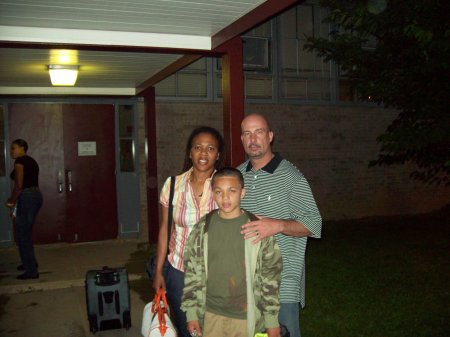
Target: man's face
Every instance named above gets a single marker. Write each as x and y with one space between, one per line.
256 137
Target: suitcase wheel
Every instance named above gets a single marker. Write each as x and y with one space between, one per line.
127 319
93 325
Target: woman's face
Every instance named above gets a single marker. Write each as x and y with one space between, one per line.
17 151
204 152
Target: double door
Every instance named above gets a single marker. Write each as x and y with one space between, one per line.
74 147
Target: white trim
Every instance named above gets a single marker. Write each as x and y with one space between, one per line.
66 91
102 37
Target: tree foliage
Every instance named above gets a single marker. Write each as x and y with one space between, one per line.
397 53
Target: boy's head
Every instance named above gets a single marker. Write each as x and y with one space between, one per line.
228 190
228 172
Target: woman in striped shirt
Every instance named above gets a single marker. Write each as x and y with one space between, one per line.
192 199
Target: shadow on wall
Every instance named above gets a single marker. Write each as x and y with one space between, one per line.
136 265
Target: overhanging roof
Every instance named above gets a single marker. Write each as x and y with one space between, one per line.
121 46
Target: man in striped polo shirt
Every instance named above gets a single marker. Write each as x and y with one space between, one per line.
278 192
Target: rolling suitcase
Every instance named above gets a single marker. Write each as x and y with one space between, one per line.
108 299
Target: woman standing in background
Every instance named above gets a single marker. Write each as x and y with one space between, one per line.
25 202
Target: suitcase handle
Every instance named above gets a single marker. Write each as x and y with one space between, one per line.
107 277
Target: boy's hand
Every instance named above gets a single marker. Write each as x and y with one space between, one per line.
273 332
194 328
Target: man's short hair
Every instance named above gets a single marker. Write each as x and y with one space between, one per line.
228 172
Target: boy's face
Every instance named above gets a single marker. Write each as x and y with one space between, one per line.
228 193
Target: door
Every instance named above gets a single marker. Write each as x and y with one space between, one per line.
74 147
127 176
89 167
41 126
5 220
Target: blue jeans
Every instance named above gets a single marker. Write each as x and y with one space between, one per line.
28 204
290 317
174 286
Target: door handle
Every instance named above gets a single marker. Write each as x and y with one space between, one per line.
60 182
69 180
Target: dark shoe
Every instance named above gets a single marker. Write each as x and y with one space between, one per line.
24 276
21 267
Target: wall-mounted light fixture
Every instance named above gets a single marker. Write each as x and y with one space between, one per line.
63 75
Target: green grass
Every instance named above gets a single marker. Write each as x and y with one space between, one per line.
380 277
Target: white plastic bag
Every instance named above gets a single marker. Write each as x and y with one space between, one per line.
156 320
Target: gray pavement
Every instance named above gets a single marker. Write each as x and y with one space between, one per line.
54 305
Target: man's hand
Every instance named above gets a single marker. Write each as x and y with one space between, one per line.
262 228
265 227
194 328
273 332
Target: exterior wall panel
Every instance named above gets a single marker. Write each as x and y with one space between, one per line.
332 145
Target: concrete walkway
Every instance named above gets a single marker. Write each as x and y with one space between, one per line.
55 305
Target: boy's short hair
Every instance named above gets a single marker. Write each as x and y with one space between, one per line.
228 172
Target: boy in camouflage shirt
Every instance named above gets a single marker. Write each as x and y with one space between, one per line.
231 284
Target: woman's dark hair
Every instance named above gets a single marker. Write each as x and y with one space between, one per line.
21 143
213 132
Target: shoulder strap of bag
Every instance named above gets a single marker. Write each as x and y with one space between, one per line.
170 215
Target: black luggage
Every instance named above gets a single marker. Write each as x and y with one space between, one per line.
108 299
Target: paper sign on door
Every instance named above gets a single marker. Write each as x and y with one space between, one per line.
87 149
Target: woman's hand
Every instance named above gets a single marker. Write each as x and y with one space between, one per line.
158 281
161 250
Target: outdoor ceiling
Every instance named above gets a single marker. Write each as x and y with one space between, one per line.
118 44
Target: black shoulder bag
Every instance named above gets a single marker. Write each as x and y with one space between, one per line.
150 268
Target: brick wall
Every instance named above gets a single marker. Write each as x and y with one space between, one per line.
331 145
175 122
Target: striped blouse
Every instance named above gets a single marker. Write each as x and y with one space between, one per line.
186 213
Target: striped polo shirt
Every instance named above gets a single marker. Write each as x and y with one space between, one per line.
186 213
280 191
